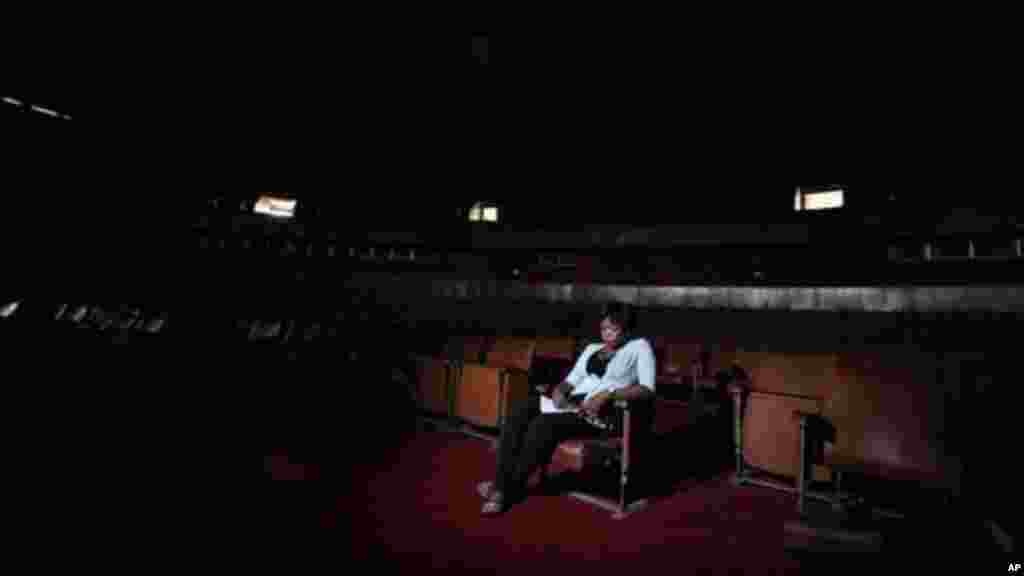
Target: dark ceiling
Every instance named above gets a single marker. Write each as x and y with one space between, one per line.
376 129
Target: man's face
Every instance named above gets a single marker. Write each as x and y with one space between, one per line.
610 332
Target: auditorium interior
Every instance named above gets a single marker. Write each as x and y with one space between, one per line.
834 360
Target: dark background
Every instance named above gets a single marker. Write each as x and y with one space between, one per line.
569 129
480 48
389 132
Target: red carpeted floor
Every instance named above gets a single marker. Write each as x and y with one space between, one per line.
416 508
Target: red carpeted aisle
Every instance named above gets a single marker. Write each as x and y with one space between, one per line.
416 508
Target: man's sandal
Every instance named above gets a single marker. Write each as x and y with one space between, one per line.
493 508
486 490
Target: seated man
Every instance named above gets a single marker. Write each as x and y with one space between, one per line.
621 366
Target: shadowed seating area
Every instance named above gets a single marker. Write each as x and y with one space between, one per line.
771 377
840 430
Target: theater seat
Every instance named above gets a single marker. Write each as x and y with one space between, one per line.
769 389
680 364
485 392
467 349
153 325
127 317
99 318
617 459
7 310
580 454
555 347
436 374
434 378
77 314
263 331
881 424
553 359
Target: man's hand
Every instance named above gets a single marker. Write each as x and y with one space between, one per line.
596 402
559 398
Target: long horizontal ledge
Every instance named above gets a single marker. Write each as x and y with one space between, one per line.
804 298
823 229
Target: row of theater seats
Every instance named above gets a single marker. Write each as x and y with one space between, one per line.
103 318
317 247
125 379
124 320
291 333
475 379
273 362
885 406
474 382
874 418
73 367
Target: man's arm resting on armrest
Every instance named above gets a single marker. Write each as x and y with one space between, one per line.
564 389
560 395
633 392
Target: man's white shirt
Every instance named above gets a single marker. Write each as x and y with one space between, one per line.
632 364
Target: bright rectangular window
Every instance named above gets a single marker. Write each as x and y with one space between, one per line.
481 212
818 200
277 207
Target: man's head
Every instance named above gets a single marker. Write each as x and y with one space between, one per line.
617 321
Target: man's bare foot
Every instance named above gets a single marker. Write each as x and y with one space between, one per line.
493 507
487 491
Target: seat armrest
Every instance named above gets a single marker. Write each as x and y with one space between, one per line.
637 415
637 427
815 433
635 403
839 463
803 417
519 373
520 379
739 387
816 424
706 383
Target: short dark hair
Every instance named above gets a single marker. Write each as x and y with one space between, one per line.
621 314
